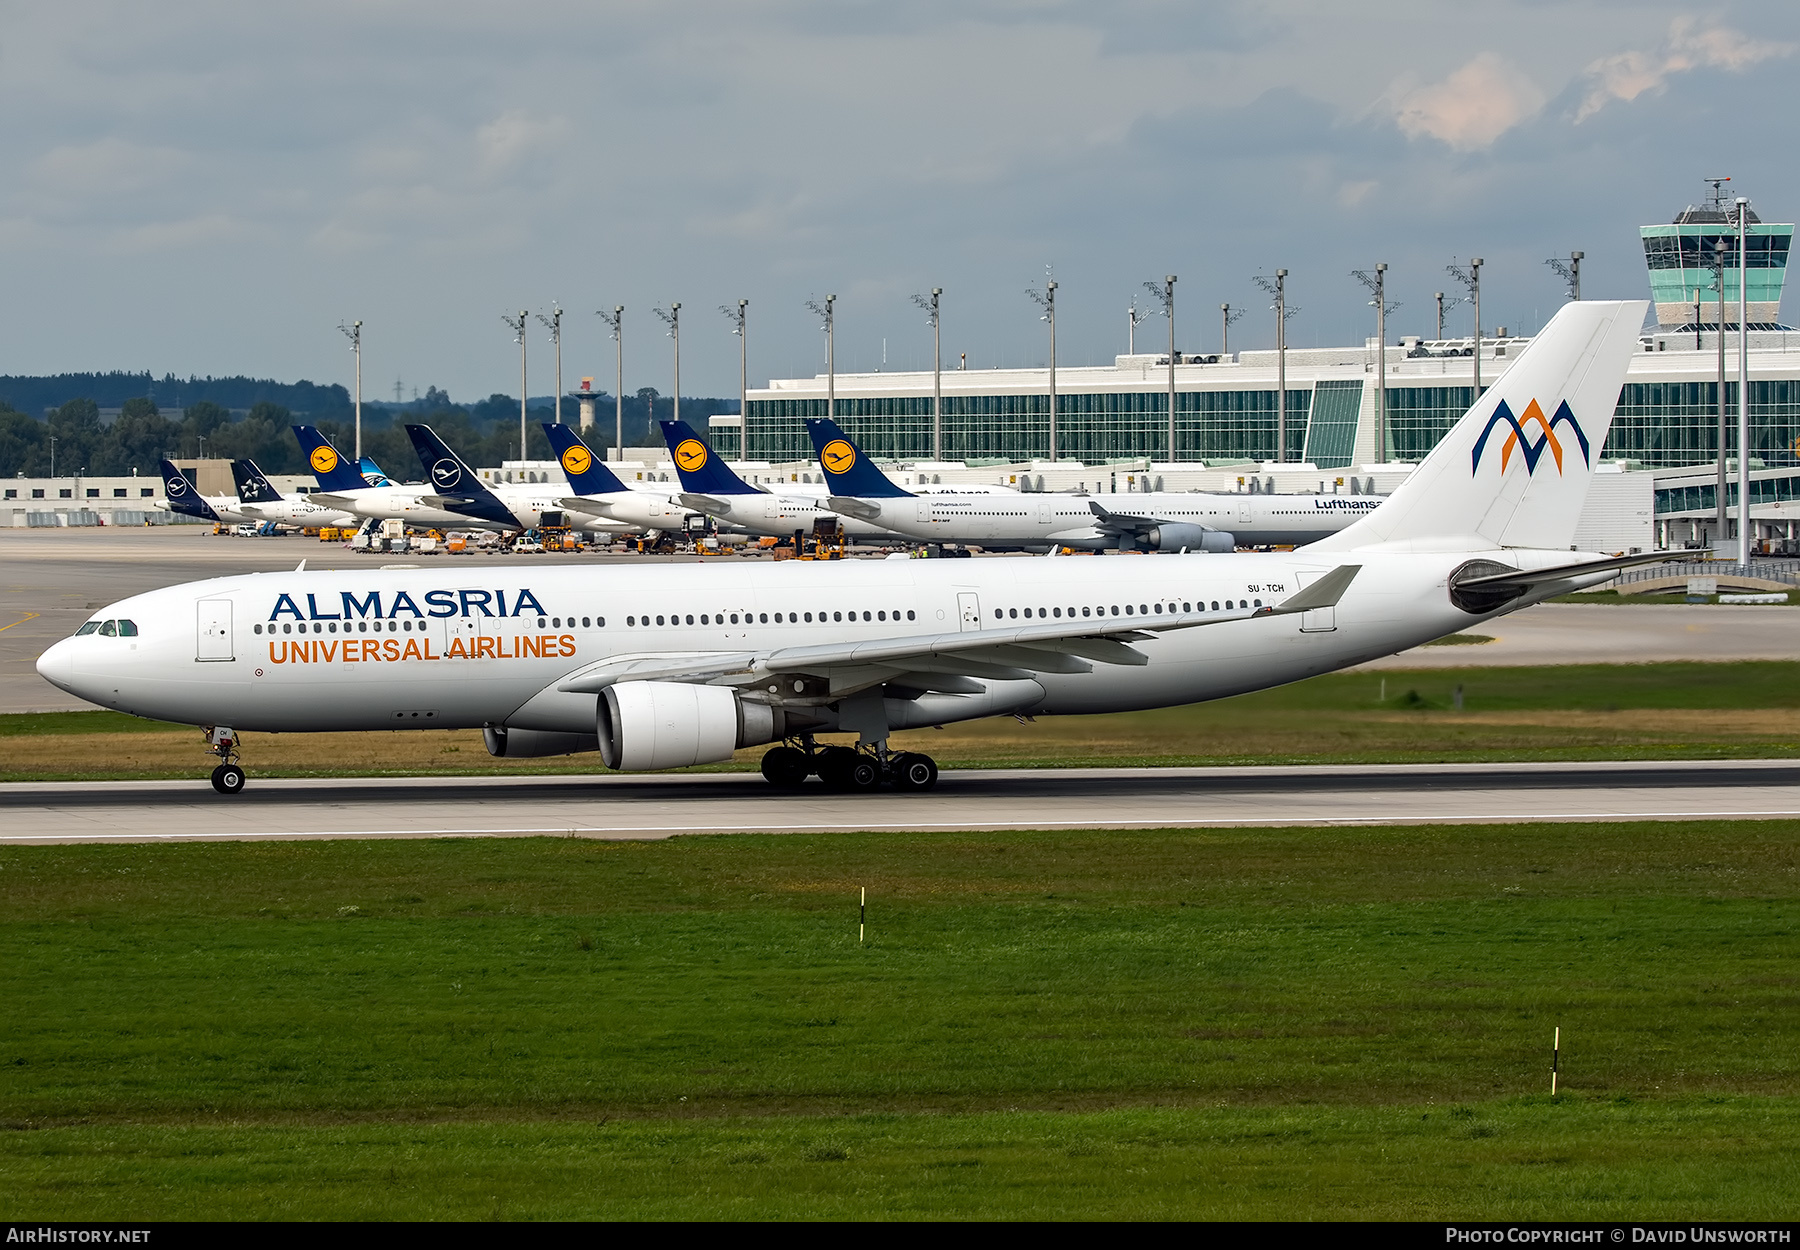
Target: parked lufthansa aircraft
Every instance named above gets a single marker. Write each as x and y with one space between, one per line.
663 666
1162 521
258 498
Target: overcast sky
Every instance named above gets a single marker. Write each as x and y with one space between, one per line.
211 187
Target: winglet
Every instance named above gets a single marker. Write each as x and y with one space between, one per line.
1323 593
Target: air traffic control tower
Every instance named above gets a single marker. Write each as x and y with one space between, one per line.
1684 281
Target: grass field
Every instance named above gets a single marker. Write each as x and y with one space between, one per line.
1652 711
1233 1022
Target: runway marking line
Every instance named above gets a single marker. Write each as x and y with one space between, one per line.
29 616
913 826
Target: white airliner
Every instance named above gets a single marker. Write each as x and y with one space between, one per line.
1158 521
665 666
711 486
182 496
649 507
342 487
258 498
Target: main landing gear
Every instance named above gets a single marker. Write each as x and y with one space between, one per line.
848 769
228 777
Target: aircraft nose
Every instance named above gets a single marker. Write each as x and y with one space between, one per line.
57 665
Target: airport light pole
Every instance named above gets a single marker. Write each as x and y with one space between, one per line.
554 322
738 316
1134 319
1470 277
1047 301
1378 286
1278 288
1743 439
518 325
672 319
937 369
616 320
828 310
353 332
1165 295
1723 520
1570 272
1228 317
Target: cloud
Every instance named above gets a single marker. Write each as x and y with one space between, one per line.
515 136
106 166
1628 75
1472 107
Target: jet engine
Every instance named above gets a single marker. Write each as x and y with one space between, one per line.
1193 537
645 725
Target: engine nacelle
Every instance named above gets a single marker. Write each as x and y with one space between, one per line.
647 725
1194 537
522 744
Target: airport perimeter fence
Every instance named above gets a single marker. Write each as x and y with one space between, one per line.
1785 571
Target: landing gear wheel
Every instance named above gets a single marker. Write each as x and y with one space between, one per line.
863 774
228 779
786 767
833 766
913 772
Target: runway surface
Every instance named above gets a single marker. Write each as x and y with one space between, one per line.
664 806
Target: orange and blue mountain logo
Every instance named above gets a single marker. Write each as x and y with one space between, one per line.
323 460
690 455
1531 436
838 456
577 460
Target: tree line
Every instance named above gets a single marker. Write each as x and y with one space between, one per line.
483 433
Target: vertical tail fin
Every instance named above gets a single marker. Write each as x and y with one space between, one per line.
1514 471
460 487
847 471
371 472
332 470
252 485
587 474
698 466
183 496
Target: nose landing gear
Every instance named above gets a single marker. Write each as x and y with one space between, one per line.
847 769
228 777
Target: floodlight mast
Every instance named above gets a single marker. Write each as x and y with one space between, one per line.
828 310
937 369
1165 295
737 316
1047 301
1377 287
1570 272
1228 317
1718 267
1470 277
616 320
1743 439
1278 288
672 318
554 322
353 332
1134 319
518 325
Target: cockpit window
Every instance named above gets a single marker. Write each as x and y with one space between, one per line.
128 629
109 629
88 628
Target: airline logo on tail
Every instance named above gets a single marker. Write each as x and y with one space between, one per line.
577 460
446 474
175 486
1531 452
837 456
323 459
690 456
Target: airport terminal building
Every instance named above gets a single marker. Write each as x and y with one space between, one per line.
1226 410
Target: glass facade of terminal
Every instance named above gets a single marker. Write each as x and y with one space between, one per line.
1675 424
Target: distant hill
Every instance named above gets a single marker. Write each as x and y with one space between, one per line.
37 396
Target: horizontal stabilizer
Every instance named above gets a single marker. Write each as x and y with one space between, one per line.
704 503
1323 593
861 509
1524 579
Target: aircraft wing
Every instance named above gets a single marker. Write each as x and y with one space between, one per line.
1006 653
1124 522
